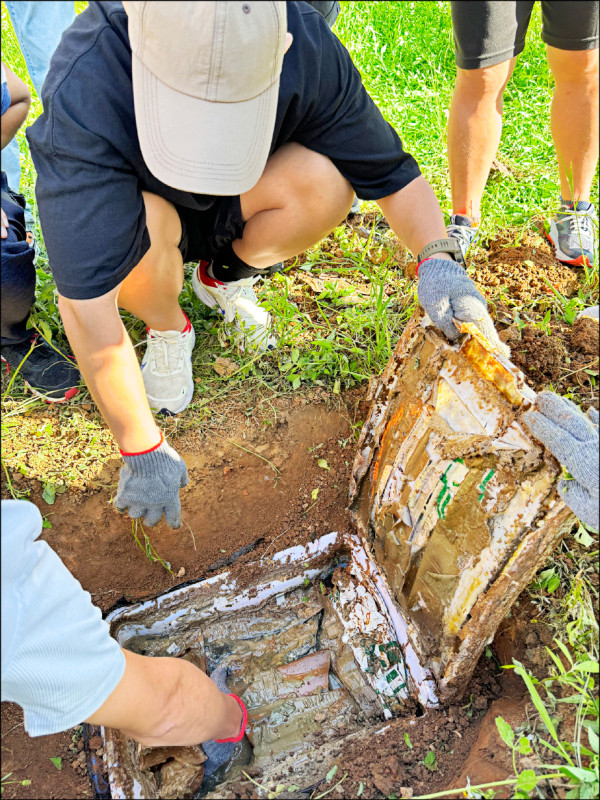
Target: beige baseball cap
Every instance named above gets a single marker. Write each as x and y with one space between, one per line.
205 89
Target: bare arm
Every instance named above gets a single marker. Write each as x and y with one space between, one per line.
110 368
168 701
16 114
414 215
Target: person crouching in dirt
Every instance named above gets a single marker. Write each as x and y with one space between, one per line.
233 134
60 664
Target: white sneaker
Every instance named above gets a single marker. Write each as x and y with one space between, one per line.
237 302
167 369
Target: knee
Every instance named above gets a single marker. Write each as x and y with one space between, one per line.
485 84
574 67
317 182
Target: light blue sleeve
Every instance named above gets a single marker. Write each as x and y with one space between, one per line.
59 662
5 104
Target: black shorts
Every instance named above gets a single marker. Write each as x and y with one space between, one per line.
205 233
492 31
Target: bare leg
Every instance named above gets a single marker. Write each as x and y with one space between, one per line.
575 119
299 199
474 128
152 289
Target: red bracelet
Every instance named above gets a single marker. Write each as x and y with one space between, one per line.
419 264
240 735
150 450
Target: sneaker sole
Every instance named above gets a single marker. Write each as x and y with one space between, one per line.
164 410
580 261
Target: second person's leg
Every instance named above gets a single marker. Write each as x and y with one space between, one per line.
488 37
570 31
575 119
474 128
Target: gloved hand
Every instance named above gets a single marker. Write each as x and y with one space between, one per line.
149 484
446 291
573 439
219 751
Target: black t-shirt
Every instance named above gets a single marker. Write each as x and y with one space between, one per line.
91 173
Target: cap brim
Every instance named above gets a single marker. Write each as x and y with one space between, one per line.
200 146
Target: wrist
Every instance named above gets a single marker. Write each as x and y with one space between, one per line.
150 448
236 718
436 257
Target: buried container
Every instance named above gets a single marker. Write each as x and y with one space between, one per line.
455 508
457 503
314 646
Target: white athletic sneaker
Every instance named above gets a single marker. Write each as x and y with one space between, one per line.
167 369
237 302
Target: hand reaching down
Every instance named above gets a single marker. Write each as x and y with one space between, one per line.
149 484
219 751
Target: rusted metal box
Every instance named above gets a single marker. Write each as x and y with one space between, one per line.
457 503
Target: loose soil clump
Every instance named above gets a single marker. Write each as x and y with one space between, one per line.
541 357
584 336
522 271
565 361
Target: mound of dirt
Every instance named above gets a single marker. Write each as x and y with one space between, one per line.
523 270
565 361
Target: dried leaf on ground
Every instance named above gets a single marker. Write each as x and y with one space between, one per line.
224 366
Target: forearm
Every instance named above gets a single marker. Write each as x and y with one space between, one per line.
414 215
110 369
168 701
12 120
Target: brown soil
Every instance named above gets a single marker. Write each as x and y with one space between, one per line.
513 277
567 358
523 271
29 759
245 491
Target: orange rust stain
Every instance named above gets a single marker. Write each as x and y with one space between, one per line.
487 366
394 419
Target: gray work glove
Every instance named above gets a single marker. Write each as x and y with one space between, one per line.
149 484
445 292
573 439
218 753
